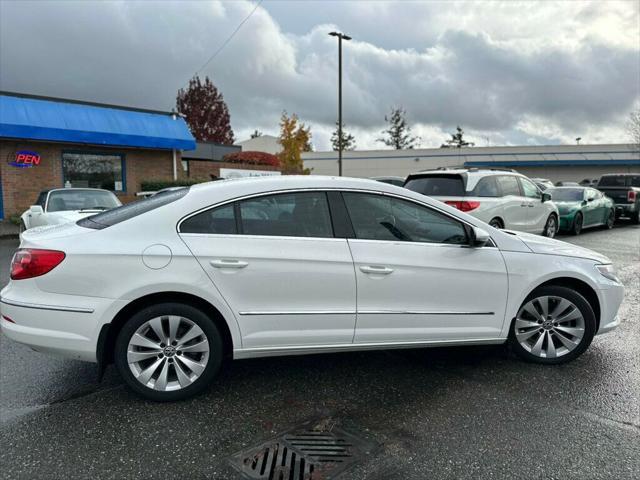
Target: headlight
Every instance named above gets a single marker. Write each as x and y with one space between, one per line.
608 271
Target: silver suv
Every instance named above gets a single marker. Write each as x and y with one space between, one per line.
501 198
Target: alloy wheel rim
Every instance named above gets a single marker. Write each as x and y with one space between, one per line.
168 353
551 227
549 326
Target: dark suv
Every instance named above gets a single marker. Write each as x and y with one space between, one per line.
624 190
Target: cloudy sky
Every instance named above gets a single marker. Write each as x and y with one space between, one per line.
507 72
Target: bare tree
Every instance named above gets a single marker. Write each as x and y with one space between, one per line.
633 127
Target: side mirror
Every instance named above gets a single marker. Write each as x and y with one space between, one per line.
546 197
36 210
478 237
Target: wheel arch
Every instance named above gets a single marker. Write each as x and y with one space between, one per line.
109 331
579 286
499 218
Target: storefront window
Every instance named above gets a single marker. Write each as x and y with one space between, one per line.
93 170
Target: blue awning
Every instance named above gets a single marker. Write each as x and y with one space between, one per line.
60 121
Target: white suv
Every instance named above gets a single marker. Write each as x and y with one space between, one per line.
501 198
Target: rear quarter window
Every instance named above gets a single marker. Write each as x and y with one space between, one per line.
437 185
131 210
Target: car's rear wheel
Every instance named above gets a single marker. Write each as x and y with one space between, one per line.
611 219
551 227
576 228
496 223
554 325
168 352
635 218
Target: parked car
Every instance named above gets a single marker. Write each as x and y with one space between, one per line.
291 278
62 205
542 183
582 207
501 198
397 181
624 190
567 184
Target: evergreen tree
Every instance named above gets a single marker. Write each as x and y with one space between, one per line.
398 135
457 140
348 140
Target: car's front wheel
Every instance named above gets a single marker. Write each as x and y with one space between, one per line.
168 352
611 219
554 325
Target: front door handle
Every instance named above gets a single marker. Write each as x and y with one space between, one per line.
376 269
225 263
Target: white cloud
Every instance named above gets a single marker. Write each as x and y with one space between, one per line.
540 72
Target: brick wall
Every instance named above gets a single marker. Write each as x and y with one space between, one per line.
21 186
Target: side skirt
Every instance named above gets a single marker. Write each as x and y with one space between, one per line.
349 347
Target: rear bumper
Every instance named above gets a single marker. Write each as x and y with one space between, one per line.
63 325
624 209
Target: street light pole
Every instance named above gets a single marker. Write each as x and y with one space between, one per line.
341 36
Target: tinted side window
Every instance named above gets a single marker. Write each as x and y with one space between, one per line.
303 214
612 181
529 189
437 185
486 187
378 217
220 220
508 185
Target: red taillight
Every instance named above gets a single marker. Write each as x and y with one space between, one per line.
631 196
463 206
33 262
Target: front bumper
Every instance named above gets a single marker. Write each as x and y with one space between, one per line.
566 221
610 300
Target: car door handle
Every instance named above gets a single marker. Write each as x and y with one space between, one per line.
223 263
376 269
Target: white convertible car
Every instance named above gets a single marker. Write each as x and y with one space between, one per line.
169 286
64 205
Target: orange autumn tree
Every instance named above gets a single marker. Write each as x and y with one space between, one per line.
295 138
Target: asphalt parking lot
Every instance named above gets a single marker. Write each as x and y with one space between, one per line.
438 413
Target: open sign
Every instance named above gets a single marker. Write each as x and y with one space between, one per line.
26 159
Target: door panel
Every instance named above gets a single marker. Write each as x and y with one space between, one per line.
537 212
515 205
283 291
434 292
417 280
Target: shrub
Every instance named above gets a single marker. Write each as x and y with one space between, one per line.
155 185
252 158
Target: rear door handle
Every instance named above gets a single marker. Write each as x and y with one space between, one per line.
376 269
224 263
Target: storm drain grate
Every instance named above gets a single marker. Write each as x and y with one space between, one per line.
314 450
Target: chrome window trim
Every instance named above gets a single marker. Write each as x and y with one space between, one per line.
38 306
324 189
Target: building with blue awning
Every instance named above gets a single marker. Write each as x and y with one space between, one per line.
50 143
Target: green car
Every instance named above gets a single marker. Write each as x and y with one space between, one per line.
582 207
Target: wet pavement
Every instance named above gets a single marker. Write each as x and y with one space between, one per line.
473 412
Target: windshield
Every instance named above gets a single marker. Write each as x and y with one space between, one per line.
437 185
567 194
61 200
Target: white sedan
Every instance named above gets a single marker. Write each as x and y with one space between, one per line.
62 205
169 286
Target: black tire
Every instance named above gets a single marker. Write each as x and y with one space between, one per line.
611 219
589 325
578 221
635 218
496 223
196 316
547 227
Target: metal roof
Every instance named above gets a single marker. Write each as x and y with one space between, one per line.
58 120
